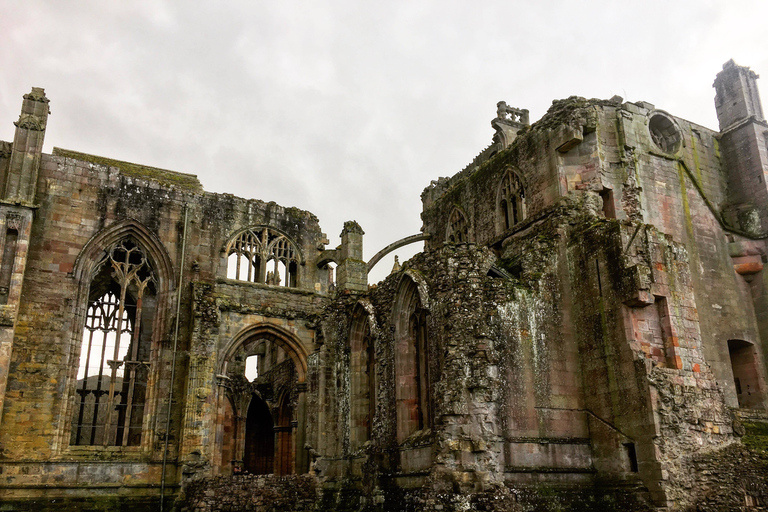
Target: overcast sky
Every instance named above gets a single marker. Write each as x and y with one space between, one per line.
349 108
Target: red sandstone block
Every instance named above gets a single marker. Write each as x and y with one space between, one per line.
696 368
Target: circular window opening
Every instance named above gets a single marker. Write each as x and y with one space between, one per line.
664 133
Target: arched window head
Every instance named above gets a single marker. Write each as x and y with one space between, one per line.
412 395
458 227
114 355
263 255
362 371
511 202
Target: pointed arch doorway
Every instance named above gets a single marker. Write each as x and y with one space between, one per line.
267 430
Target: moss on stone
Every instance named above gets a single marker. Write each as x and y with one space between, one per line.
756 436
170 178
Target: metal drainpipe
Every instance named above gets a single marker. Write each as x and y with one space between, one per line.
173 363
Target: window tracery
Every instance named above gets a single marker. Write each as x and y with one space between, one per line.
114 369
263 255
511 201
458 229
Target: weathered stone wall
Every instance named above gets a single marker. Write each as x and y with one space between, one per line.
79 199
253 493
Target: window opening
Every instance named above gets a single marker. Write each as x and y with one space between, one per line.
113 368
609 208
252 368
631 456
458 232
412 363
664 134
263 256
511 201
363 380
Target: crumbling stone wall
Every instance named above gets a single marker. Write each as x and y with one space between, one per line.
252 493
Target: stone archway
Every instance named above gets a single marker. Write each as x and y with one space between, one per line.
271 406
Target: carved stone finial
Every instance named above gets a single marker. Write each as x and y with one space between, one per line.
396 266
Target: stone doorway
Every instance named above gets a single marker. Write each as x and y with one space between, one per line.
259 439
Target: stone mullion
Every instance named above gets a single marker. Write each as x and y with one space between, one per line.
84 390
98 393
134 358
238 254
264 255
125 279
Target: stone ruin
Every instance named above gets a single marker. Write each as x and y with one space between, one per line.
583 330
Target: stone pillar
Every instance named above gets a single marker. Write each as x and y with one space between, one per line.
302 462
352 271
19 165
743 144
736 96
19 180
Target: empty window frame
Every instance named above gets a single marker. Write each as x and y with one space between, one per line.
411 362
362 379
263 255
511 205
458 227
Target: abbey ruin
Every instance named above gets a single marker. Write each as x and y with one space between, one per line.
586 329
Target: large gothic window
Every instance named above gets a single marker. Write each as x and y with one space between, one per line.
263 255
114 355
511 204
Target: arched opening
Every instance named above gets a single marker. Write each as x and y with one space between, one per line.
362 399
458 228
263 255
746 377
259 439
411 362
510 202
264 371
115 350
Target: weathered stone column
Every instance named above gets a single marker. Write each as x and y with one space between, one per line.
19 165
20 181
302 465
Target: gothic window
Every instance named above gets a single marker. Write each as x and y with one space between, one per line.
458 231
263 255
411 362
113 369
362 379
511 209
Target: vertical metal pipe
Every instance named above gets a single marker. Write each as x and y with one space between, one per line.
173 362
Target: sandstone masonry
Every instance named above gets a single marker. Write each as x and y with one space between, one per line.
584 330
